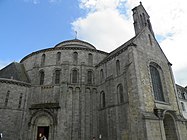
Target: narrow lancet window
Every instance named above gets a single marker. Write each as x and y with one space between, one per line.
20 100
57 76
7 98
102 100
42 75
58 57
75 57
90 59
43 60
120 93
117 67
101 75
74 76
90 77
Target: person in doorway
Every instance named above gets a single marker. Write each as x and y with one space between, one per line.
44 137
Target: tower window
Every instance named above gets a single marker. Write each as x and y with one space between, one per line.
156 83
57 76
183 96
42 75
150 40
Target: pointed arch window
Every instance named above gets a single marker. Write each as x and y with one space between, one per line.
90 59
90 77
42 75
156 83
58 57
43 60
75 57
74 76
102 100
120 93
57 76
118 67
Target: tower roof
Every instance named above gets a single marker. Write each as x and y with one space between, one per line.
75 43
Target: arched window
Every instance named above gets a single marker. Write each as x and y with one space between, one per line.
102 99
183 107
120 93
42 75
89 77
90 59
74 76
43 60
117 67
75 57
101 75
156 83
58 57
7 97
57 76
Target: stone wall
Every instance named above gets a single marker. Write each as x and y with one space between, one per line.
13 106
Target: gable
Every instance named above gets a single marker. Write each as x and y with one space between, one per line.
14 71
149 47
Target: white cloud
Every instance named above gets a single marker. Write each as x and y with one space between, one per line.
102 27
108 24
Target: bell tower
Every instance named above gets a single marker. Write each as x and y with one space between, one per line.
141 19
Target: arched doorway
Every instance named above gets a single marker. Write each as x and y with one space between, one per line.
42 124
169 127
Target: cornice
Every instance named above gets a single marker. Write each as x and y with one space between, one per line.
62 48
114 54
14 82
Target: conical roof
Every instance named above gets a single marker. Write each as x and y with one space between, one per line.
75 43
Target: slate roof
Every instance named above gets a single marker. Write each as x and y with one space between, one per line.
15 71
76 43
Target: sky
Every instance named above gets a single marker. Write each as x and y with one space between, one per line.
31 25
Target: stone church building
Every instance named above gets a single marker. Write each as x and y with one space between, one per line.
75 92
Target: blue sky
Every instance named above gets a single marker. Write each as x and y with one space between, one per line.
30 25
